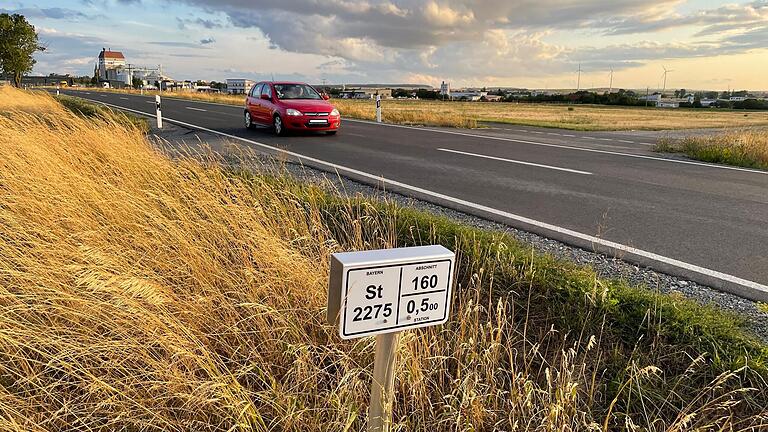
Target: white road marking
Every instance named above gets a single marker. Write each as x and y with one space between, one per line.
553 133
124 98
537 132
569 135
762 289
588 137
196 109
152 102
516 161
522 130
626 141
87 93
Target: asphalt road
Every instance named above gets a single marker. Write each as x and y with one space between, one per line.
602 191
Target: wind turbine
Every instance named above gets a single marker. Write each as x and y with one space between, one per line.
666 71
610 85
578 78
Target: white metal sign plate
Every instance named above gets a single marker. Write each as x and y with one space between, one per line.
390 290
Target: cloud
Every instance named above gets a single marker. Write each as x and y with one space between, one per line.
55 13
184 23
726 18
175 44
207 41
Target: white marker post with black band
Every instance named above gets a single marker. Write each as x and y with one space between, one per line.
383 292
159 112
378 108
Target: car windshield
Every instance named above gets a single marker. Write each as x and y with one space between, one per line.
296 91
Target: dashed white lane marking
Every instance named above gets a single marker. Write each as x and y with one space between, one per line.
522 130
553 133
626 141
587 137
196 109
537 132
516 161
124 98
569 135
152 102
569 147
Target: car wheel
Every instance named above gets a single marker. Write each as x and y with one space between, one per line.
277 125
331 132
248 120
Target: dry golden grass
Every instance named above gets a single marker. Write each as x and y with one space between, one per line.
746 148
137 293
576 117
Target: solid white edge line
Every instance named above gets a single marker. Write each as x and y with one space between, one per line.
515 161
196 109
565 231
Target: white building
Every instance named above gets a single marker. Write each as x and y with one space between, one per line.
445 89
469 95
111 65
239 85
667 104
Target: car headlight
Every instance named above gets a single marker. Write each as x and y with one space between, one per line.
335 113
293 112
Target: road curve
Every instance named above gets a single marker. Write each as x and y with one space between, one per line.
604 192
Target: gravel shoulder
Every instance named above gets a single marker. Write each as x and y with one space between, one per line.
179 141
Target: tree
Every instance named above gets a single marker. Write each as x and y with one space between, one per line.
136 82
18 41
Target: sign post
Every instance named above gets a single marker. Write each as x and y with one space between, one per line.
159 112
383 292
378 108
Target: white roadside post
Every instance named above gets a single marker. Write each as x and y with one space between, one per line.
378 108
159 112
57 90
383 292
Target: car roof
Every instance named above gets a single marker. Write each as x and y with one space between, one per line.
285 82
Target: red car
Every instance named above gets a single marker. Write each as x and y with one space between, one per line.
290 106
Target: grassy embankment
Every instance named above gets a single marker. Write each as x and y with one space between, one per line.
745 148
138 293
575 117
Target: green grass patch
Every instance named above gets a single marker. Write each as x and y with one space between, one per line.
89 109
747 148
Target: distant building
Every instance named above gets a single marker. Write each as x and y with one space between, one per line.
667 104
239 85
469 95
111 66
445 89
365 93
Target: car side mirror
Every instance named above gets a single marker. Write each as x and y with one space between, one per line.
325 96
266 97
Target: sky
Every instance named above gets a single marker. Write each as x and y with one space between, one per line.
470 43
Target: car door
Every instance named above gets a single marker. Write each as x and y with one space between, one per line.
253 102
267 105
